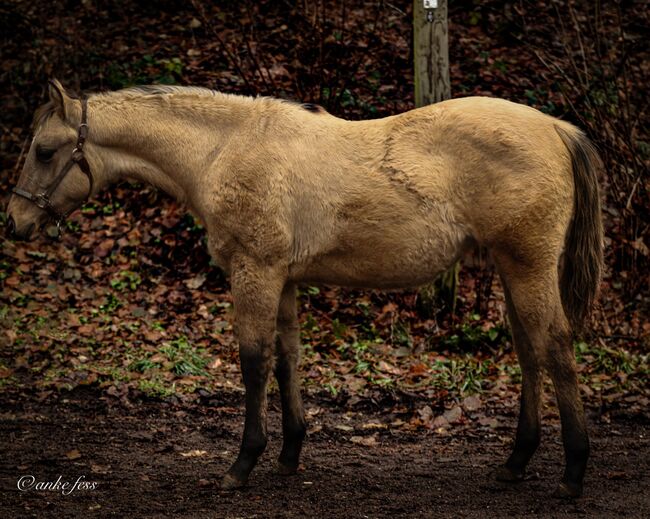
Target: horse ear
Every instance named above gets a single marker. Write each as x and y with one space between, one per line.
59 97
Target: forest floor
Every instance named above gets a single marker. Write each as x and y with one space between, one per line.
158 459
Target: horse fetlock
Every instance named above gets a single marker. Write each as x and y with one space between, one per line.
287 467
567 490
296 432
231 482
238 474
254 448
508 474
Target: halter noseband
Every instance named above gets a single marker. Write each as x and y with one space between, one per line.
42 200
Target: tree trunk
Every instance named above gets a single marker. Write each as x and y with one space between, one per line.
431 60
431 51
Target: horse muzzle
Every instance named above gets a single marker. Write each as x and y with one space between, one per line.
24 233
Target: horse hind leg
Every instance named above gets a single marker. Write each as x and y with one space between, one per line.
535 298
529 426
561 366
286 373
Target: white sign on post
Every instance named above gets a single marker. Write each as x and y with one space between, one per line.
431 4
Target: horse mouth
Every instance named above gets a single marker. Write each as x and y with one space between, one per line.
27 234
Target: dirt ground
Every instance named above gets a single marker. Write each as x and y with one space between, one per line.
161 459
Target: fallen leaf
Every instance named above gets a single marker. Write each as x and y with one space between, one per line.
488 421
440 422
194 453
472 403
454 415
74 454
195 282
104 248
388 368
368 441
373 425
315 429
426 415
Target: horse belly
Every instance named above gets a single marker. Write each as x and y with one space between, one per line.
386 260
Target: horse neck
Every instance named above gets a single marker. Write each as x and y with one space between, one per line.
165 140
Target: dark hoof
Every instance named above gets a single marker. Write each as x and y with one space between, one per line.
508 475
230 482
568 491
286 470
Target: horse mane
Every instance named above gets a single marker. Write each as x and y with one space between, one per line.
142 90
166 89
45 111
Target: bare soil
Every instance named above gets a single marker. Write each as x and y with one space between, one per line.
164 459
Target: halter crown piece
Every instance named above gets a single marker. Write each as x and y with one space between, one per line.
42 200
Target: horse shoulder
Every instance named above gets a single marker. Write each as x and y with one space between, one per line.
245 214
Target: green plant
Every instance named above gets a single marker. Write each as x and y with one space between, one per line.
471 336
126 279
112 304
156 387
145 70
186 360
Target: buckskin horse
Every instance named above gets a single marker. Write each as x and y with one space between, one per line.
289 193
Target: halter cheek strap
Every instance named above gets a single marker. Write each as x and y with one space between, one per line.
42 200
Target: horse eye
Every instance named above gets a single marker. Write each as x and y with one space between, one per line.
44 154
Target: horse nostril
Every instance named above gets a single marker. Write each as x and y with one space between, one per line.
11 228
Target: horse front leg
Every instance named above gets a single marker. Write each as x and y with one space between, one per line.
256 294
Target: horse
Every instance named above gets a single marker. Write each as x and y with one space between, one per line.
289 194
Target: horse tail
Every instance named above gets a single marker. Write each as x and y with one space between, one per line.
583 245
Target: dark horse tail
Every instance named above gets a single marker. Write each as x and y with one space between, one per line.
583 247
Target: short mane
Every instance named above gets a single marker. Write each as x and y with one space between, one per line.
44 112
164 89
207 92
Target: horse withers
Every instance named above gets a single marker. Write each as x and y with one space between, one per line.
289 193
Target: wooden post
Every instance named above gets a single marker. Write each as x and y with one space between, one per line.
431 52
432 85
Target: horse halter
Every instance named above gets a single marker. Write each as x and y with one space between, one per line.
42 200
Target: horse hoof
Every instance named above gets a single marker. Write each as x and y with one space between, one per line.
507 475
286 470
230 482
568 491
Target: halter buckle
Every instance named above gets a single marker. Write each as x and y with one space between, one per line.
42 201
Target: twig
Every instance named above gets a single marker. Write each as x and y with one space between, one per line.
253 55
582 48
355 68
234 60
